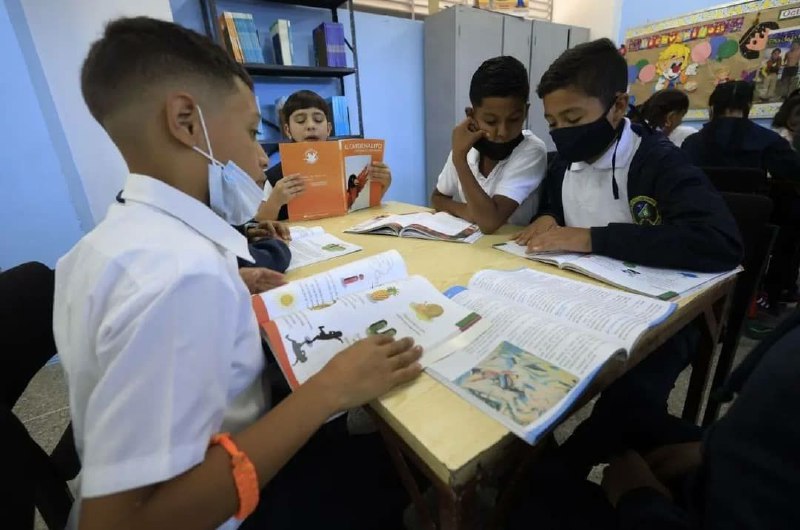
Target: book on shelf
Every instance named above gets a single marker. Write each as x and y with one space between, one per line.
341 115
281 33
240 36
335 175
650 281
329 44
306 322
543 340
313 245
439 226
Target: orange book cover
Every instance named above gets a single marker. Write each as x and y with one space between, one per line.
335 176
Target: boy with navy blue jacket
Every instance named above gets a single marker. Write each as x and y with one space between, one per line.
619 189
627 192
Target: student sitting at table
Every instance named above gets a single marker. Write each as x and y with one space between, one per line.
664 111
731 139
624 191
493 172
156 330
306 117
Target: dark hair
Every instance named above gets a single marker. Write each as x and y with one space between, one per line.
745 40
733 95
781 118
775 50
655 110
136 52
304 99
595 68
499 77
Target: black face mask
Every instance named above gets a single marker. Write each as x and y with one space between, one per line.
497 151
583 142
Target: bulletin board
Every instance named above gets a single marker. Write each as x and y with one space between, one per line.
696 52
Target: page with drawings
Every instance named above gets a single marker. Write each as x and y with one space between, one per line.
326 287
314 245
304 341
544 340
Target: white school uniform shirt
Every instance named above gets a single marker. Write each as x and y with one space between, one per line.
681 133
158 338
517 177
587 192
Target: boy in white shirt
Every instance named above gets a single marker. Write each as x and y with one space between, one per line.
152 321
493 172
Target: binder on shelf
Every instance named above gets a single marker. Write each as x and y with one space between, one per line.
281 33
329 45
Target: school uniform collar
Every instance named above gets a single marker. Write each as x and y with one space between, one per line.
625 152
193 213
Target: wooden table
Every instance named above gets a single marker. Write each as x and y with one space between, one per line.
449 440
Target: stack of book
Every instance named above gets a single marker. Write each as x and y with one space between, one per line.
240 36
281 32
329 45
341 115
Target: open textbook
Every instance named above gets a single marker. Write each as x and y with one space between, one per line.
313 245
423 225
660 283
544 339
308 321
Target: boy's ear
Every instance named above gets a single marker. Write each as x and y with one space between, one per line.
621 106
183 120
330 128
469 111
286 132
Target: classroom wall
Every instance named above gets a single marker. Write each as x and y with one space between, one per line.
391 72
38 217
602 17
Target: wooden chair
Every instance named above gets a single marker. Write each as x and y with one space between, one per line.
752 214
738 179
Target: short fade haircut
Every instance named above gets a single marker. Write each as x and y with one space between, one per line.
304 99
499 77
136 52
732 95
596 68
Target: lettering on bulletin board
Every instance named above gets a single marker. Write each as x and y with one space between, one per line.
757 41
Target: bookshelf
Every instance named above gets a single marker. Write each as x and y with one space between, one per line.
263 72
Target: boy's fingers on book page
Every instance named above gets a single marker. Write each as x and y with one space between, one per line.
407 374
403 359
399 346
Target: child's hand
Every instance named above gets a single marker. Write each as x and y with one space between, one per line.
259 279
672 461
465 135
289 187
539 226
561 238
380 173
368 369
270 229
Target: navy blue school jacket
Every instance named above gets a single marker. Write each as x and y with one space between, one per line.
750 471
739 142
678 219
274 174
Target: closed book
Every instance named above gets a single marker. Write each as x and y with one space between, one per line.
258 53
234 36
282 42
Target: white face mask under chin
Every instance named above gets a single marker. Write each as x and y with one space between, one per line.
233 195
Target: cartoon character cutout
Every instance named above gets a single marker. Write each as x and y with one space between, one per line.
673 66
754 40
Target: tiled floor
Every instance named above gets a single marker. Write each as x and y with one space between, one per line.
44 411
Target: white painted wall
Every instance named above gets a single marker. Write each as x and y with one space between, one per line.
602 17
60 34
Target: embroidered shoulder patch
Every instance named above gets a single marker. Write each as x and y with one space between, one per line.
645 210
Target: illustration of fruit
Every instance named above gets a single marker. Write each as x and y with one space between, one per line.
321 306
286 299
427 312
383 294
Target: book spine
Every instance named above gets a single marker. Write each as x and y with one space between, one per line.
245 37
288 42
341 48
235 40
258 54
225 36
276 42
321 46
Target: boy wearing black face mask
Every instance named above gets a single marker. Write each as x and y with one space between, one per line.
627 192
493 173
620 189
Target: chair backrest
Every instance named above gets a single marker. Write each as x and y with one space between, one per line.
737 179
752 214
